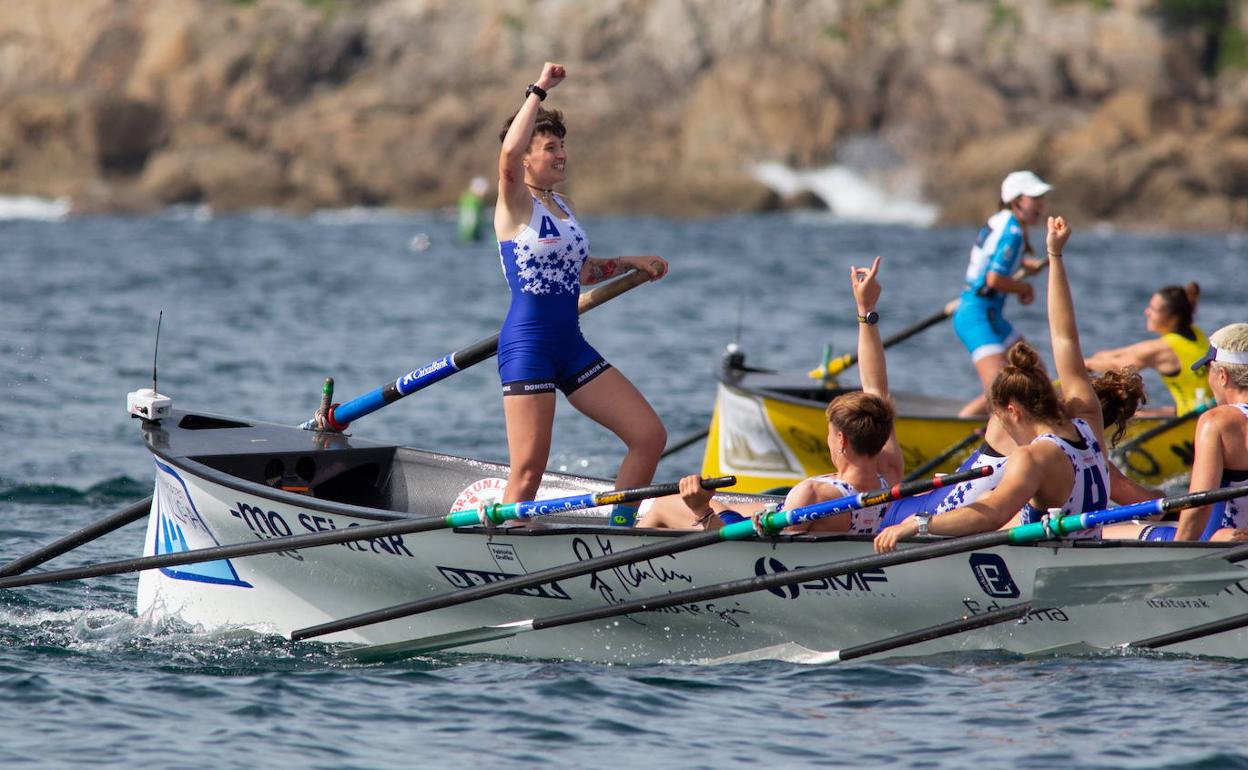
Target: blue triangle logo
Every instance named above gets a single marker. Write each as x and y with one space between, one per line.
179 528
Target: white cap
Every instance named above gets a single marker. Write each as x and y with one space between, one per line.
1023 183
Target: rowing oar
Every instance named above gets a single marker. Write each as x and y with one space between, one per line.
1121 453
1023 533
1233 623
935 462
340 416
770 523
497 514
83 536
1072 586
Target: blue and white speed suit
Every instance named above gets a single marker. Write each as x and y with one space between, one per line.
540 346
863 521
1090 492
978 321
1228 514
944 499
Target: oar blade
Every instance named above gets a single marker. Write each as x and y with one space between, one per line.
1113 583
410 648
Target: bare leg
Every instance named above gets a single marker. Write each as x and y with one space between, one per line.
614 403
529 423
987 368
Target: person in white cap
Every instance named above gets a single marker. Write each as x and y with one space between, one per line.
999 251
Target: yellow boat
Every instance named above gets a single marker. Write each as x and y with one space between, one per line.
769 430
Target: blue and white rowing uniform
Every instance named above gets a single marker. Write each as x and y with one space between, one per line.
1090 492
944 499
1228 514
978 321
540 347
864 521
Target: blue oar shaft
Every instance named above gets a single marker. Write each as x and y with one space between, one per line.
499 513
665 547
439 369
772 523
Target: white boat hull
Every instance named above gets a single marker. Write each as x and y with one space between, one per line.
281 592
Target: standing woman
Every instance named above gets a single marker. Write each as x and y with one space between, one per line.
545 257
995 257
1171 314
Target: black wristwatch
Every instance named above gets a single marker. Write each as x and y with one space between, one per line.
535 89
870 319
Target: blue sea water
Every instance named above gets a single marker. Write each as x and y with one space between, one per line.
259 308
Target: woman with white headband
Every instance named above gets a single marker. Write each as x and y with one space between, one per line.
1221 457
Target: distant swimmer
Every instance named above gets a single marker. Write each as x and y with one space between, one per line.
999 251
545 258
861 442
1171 314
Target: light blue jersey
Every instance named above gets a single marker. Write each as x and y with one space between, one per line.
978 321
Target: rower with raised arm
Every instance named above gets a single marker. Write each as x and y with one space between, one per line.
1170 314
546 258
861 441
1059 462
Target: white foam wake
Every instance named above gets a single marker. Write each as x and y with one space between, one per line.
851 195
28 207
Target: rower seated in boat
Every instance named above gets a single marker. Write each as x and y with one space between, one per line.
1059 462
1221 448
861 440
1171 315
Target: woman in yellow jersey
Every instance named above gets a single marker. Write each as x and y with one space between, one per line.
1181 343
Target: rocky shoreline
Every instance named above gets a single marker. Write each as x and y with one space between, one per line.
1136 110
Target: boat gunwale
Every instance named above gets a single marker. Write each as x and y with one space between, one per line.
561 529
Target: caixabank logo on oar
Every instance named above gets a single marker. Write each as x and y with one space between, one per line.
993 576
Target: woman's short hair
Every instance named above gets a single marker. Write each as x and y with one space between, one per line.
548 122
1233 337
864 418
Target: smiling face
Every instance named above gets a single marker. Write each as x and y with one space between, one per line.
545 164
1029 210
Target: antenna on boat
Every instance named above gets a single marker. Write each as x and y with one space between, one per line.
156 350
146 403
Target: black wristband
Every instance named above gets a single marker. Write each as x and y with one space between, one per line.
535 89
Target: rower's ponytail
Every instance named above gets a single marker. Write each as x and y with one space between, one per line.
1121 393
1024 383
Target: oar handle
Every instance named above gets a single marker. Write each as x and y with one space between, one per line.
774 522
1027 533
499 513
340 416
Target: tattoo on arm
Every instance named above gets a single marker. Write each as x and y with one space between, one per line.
600 269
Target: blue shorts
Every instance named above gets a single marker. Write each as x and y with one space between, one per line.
1158 532
529 367
981 327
